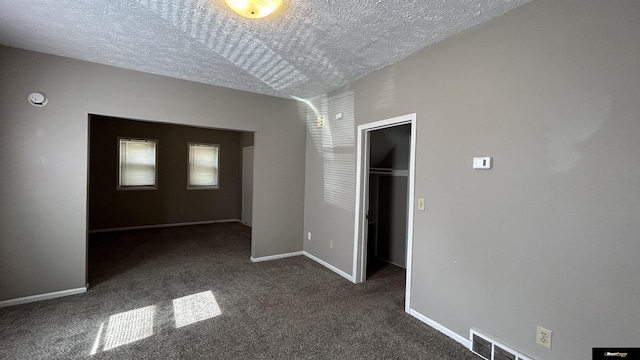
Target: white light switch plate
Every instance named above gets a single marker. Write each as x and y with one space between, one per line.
482 162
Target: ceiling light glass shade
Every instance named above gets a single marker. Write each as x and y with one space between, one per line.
254 8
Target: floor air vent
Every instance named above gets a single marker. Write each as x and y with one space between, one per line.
492 350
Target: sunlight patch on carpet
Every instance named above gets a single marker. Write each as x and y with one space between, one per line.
130 326
194 308
96 343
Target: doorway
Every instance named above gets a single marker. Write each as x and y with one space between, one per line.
173 203
388 196
375 170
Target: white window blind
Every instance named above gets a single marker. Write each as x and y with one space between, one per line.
203 166
137 163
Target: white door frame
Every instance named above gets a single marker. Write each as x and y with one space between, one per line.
362 193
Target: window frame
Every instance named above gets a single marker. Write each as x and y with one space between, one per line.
203 187
119 185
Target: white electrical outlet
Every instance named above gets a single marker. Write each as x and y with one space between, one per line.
543 337
331 244
309 235
421 204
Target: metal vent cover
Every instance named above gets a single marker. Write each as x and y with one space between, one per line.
490 349
502 354
481 346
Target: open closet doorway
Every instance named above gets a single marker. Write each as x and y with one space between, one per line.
384 198
388 197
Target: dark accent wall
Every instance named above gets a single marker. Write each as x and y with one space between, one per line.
171 203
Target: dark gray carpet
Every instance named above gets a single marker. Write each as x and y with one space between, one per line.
285 309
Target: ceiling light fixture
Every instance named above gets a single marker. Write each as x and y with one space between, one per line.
254 8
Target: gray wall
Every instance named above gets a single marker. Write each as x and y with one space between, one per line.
330 179
43 157
549 236
171 202
246 140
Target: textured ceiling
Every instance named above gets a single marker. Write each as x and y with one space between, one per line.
307 48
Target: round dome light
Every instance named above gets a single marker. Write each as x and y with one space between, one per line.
254 8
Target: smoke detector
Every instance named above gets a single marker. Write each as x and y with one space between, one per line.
37 99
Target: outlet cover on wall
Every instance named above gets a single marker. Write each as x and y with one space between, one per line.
543 337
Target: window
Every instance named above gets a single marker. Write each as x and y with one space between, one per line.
137 164
203 166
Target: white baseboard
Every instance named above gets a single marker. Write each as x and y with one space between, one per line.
298 253
441 328
275 257
163 225
40 297
329 266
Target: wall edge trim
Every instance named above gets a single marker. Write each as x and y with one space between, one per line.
462 340
329 266
275 257
163 225
40 297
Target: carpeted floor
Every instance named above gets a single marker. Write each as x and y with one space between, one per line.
284 309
